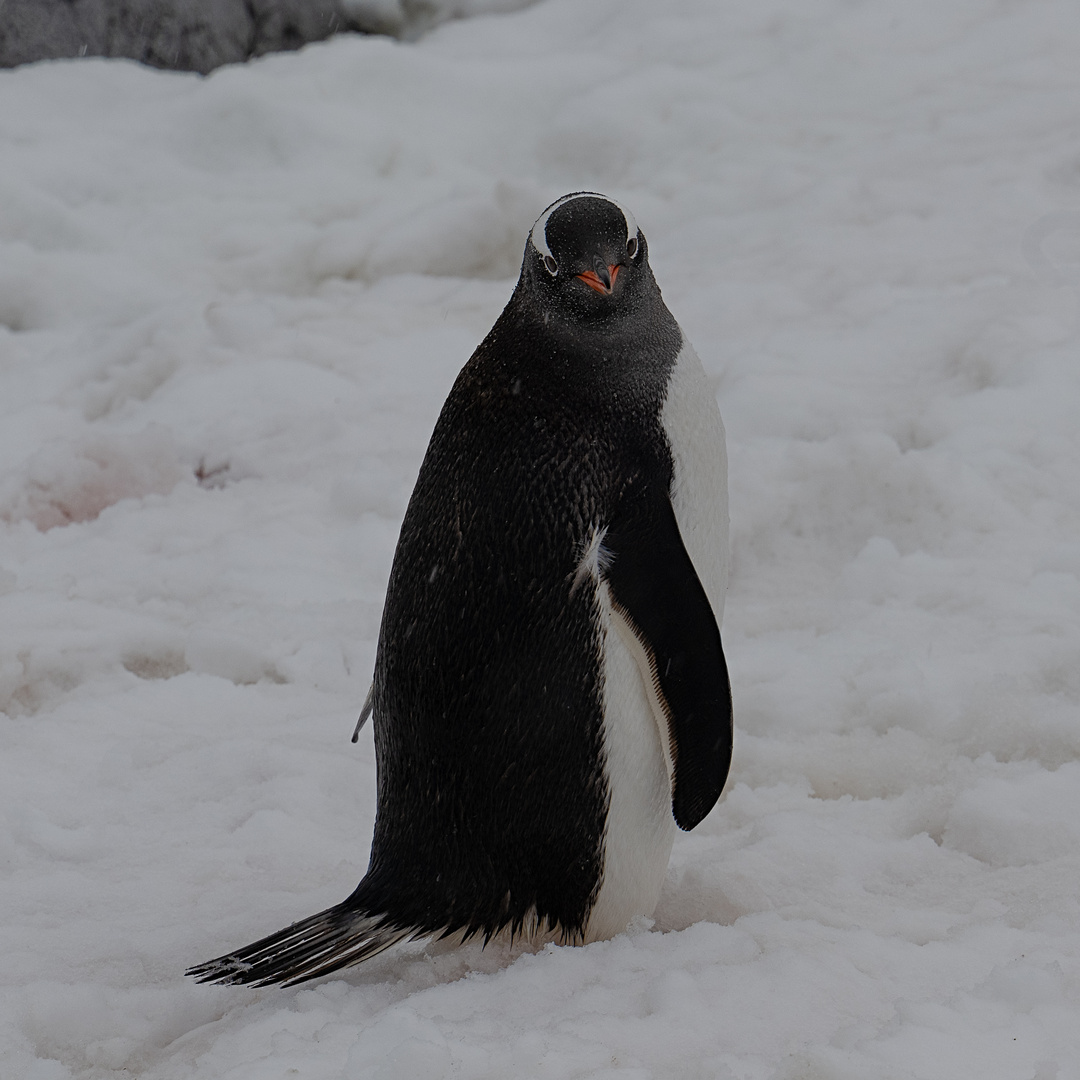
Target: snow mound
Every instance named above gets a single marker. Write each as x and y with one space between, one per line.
73 481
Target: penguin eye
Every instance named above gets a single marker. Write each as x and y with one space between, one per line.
551 264
631 246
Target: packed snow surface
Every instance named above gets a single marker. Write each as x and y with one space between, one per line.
230 309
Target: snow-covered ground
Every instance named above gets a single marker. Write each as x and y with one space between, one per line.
230 309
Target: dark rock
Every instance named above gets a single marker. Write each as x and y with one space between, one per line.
185 35
288 24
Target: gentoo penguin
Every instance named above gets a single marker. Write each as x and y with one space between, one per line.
550 694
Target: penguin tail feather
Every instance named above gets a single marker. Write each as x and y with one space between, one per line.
315 946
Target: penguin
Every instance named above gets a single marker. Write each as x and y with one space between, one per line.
550 696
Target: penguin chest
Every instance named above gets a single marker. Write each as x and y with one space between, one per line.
695 433
639 828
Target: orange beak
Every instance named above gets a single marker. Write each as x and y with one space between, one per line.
594 281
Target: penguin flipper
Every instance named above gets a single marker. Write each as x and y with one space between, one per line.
365 712
656 591
332 939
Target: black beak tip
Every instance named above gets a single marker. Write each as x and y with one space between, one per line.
600 268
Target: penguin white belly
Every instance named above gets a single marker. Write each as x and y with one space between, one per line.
640 828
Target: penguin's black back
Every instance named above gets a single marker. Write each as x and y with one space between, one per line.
488 698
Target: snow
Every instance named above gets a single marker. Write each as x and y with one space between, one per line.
231 308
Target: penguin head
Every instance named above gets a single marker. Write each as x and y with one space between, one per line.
586 259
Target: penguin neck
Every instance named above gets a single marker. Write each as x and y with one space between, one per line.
639 306
627 354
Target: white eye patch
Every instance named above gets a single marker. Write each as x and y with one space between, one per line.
538 236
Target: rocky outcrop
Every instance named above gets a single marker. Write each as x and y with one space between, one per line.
186 35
